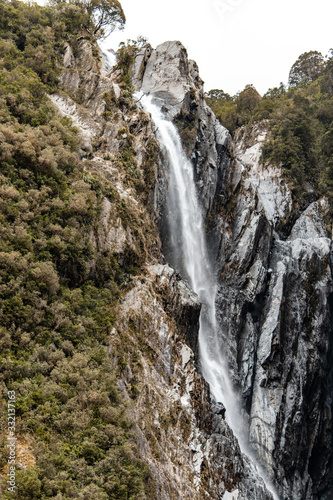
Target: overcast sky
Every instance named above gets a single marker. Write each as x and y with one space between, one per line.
234 42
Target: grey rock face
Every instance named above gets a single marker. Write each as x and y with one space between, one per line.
275 318
190 450
167 74
181 301
290 404
196 454
274 304
274 307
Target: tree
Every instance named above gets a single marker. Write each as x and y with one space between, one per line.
98 18
105 16
307 68
275 92
217 95
247 101
327 81
224 107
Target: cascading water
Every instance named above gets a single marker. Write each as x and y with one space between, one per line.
187 234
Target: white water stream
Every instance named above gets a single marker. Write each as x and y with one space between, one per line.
187 227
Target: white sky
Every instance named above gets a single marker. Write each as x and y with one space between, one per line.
234 42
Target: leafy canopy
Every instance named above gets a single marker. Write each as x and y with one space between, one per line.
58 295
307 68
98 18
234 111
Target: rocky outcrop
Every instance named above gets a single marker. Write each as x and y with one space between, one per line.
173 79
167 73
274 306
188 446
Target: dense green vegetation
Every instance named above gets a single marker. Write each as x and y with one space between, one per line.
300 125
58 297
233 112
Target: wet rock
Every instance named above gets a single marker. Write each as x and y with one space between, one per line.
218 409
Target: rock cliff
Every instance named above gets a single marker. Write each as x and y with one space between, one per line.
274 303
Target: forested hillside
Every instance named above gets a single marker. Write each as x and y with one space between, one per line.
57 296
300 125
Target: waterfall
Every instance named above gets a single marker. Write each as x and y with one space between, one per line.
190 257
